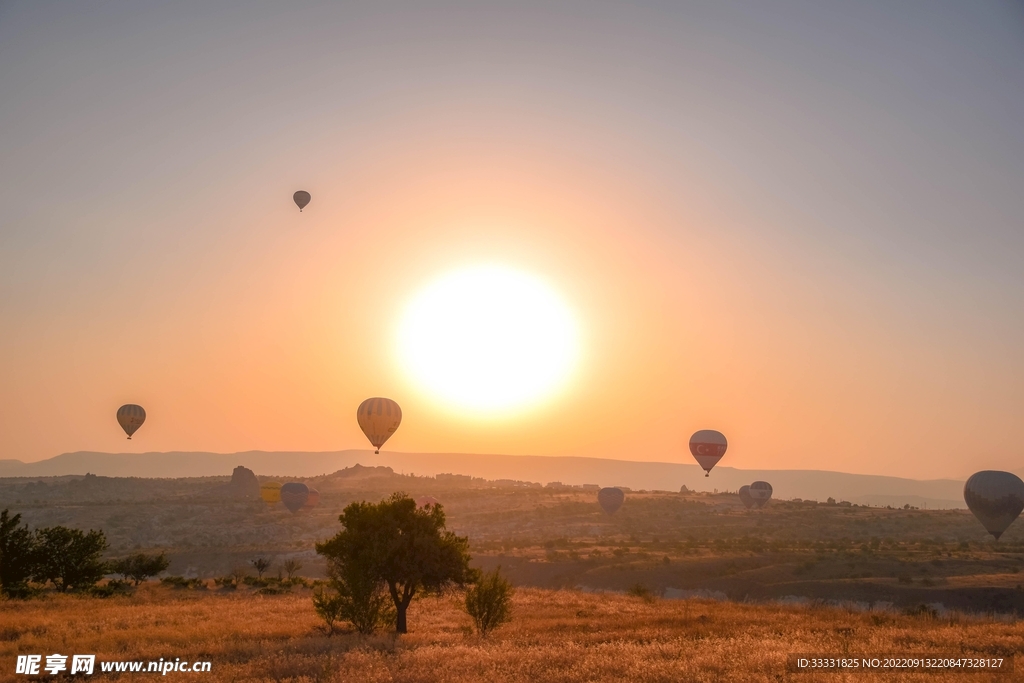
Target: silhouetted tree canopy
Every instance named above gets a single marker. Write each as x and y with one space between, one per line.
69 558
139 566
408 549
17 555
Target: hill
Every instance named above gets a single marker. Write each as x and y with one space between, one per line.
788 484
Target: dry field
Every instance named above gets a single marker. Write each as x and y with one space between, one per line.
555 636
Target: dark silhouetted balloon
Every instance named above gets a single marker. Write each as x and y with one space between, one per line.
378 418
707 447
270 492
130 417
424 501
996 499
301 199
761 492
313 500
746 498
610 499
294 495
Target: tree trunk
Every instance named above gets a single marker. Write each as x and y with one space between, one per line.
400 626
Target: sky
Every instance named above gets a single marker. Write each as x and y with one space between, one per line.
799 223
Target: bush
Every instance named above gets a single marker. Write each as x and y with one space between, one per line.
112 588
182 582
328 606
489 602
365 601
139 567
641 591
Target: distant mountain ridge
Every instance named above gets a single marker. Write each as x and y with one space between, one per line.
665 476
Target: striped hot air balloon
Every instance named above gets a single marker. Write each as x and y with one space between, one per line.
378 418
746 498
996 499
761 492
610 499
294 495
424 501
130 417
707 447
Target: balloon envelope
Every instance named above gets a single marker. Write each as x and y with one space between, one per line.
746 498
995 498
424 501
707 447
301 198
761 492
294 495
610 499
313 500
130 417
270 492
378 418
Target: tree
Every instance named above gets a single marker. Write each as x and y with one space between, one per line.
260 564
17 555
139 567
489 602
406 548
290 567
70 558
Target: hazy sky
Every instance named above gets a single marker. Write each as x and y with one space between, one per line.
801 223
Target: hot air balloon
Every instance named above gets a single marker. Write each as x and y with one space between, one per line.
313 500
130 417
424 501
270 492
746 498
378 418
707 447
301 198
610 499
995 498
761 492
294 495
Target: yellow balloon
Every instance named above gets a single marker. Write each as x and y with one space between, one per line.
270 492
378 418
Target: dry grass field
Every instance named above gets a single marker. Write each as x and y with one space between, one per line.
554 636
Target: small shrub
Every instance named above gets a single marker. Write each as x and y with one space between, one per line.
489 602
112 588
291 567
181 582
641 591
260 564
329 606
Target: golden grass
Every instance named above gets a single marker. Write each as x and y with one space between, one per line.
554 636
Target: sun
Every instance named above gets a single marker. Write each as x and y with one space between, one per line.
489 339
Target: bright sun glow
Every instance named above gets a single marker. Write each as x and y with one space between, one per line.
488 338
